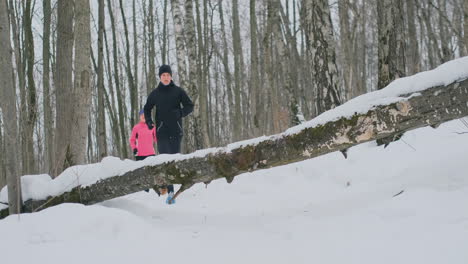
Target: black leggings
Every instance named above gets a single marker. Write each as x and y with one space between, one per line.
169 145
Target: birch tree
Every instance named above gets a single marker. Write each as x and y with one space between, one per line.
322 44
128 69
197 138
101 120
465 25
82 82
63 83
30 105
120 100
238 72
391 45
414 62
9 112
48 118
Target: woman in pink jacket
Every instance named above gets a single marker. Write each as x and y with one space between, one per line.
143 139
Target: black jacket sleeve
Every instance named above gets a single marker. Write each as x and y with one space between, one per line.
186 103
150 102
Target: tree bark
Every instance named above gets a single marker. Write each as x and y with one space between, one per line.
465 25
9 112
349 74
179 40
64 85
3 180
29 164
48 117
256 106
151 52
414 60
131 82
164 36
322 43
101 119
82 82
227 72
391 45
238 73
196 136
431 107
120 101
135 54
20 69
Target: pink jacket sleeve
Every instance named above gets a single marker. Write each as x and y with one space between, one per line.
133 138
154 135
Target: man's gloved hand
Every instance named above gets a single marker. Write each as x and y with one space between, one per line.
150 125
135 151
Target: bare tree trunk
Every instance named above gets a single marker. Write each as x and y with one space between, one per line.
414 61
205 85
363 52
179 39
465 26
48 118
151 53
349 73
120 101
111 104
164 35
256 106
227 72
443 31
101 120
195 137
325 71
82 86
9 113
135 54
238 73
64 85
391 45
3 180
20 69
31 106
131 82
434 54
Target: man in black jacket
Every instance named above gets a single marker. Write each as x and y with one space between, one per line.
168 98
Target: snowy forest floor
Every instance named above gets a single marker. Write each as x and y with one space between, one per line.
324 210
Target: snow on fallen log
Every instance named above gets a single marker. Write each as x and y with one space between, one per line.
427 98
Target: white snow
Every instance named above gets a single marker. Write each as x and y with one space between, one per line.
41 187
324 210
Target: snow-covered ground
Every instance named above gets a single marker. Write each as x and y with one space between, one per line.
324 210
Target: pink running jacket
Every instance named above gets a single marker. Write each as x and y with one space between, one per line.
142 139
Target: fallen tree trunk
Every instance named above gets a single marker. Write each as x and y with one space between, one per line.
429 107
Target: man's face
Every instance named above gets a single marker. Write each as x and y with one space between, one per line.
142 118
166 78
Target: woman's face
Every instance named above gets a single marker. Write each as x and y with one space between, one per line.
142 118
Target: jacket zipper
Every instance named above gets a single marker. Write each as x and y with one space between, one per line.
159 126
179 125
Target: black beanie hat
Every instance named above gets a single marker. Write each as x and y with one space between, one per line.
165 68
